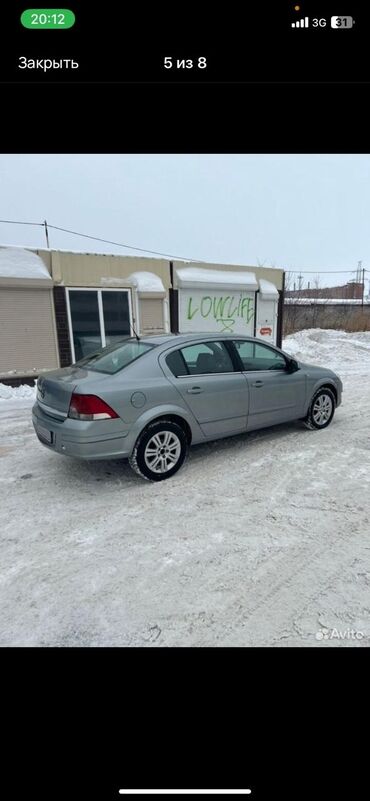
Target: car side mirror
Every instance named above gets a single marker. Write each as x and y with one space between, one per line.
292 366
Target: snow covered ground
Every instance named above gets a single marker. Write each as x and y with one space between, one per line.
261 539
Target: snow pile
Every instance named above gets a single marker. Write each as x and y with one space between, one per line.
19 263
198 278
338 350
142 281
17 393
268 290
146 282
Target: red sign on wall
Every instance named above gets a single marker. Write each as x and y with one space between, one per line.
267 331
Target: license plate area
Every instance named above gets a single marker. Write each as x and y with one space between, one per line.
45 435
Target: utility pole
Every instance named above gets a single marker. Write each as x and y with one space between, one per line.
46 234
300 279
363 286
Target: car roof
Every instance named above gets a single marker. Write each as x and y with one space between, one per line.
162 339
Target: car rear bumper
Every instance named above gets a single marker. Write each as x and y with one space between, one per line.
83 439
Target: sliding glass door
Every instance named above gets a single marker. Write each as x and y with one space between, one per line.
116 314
97 317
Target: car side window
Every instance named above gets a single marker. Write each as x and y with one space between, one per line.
175 362
199 359
255 356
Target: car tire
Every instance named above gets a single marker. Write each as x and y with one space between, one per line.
321 409
160 451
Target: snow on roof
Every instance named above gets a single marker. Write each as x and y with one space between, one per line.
20 263
268 290
146 282
198 278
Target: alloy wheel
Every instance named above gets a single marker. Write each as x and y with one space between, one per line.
322 409
162 451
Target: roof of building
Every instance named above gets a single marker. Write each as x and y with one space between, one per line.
20 263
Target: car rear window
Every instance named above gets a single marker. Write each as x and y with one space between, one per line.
116 357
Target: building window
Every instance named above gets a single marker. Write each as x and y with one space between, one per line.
97 317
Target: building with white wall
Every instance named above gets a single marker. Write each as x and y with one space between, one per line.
57 306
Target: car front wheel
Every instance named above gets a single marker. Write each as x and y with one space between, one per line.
321 411
160 450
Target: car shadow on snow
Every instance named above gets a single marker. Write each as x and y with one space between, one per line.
100 473
229 446
115 472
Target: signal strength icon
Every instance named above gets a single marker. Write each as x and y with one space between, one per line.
301 23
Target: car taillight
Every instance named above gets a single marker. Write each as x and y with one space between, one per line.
89 407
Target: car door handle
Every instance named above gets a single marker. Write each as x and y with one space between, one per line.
257 384
194 391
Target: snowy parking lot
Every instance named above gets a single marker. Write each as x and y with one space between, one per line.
259 540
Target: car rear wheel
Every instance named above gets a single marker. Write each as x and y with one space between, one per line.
321 411
160 450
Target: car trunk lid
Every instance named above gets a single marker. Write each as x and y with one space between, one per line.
54 390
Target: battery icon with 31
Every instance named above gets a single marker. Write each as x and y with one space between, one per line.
341 22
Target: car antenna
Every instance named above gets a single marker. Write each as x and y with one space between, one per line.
135 332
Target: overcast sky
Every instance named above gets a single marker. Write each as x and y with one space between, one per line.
308 212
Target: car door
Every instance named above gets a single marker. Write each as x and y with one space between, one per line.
276 394
204 375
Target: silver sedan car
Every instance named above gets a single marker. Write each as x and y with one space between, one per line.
149 399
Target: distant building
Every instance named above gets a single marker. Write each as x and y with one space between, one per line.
351 291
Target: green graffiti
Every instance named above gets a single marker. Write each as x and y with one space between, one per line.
227 326
190 313
224 310
205 312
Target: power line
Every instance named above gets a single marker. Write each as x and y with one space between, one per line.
120 244
106 241
159 253
17 222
